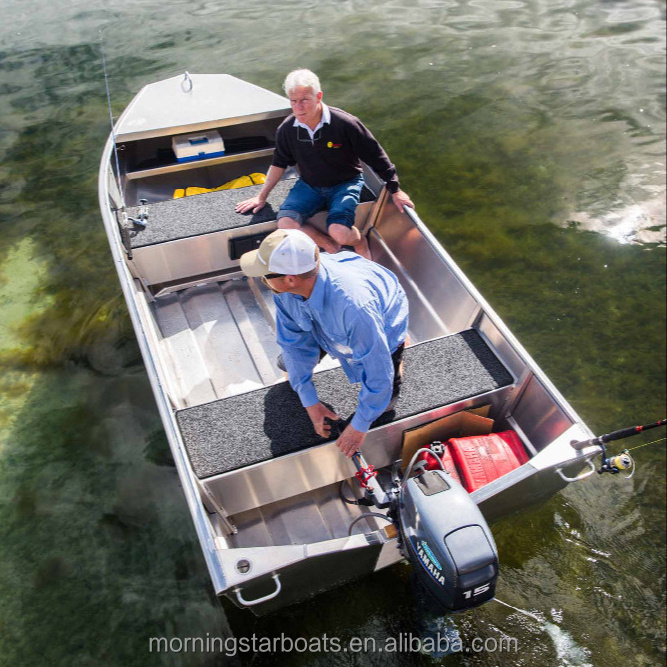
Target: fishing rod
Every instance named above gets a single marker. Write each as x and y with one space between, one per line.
140 220
113 130
622 461
616 435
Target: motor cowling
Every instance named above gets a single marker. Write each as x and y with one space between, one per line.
448 541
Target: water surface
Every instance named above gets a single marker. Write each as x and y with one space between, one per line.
531 136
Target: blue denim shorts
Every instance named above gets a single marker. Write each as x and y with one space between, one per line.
303 201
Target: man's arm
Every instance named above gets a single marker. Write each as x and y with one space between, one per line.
369 348
282 158
372 153
301 352
257 202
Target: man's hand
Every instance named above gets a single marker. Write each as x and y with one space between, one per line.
350 440
401 199
254 203
317 413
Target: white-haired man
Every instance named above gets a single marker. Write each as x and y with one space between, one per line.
328 145
344 305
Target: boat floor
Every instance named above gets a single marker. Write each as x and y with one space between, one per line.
217 340
311 517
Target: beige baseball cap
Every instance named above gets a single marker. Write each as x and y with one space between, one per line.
288 252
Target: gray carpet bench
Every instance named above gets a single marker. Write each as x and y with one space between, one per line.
182 218
242 430
203 214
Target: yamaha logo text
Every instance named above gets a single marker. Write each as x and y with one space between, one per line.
430 562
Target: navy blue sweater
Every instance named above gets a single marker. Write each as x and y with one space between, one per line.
336 154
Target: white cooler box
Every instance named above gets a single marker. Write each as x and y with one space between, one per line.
201 146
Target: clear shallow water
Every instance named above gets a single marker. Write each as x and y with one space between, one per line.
531 136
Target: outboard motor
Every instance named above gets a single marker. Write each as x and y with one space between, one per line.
447 540
442 533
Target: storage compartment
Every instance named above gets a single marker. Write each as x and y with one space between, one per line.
460 424
159 187
154 167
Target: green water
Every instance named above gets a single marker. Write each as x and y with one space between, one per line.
531 137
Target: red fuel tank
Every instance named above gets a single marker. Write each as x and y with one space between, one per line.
482 458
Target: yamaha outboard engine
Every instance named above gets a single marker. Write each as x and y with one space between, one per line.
447 540
442 532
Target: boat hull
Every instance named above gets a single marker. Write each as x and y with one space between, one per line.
239 514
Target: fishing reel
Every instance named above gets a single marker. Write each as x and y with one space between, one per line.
141 220
617 464
622 461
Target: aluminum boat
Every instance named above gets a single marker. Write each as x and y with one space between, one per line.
263 489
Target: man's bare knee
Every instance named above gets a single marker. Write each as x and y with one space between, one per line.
344 235
288 223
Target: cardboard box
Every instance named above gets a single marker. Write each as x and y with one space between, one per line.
458 425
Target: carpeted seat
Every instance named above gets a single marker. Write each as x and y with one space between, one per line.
242 430
210 212
203 214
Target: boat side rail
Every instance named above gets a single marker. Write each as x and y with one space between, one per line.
488 322
188 481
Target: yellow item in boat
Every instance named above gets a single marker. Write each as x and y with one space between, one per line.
241 182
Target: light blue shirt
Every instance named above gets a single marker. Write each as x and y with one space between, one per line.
358 313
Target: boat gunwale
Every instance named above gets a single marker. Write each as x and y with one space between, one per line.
495 319
187 477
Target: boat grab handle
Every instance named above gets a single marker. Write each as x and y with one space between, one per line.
583 475
266 598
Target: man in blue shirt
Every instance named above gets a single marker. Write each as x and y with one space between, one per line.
345 305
